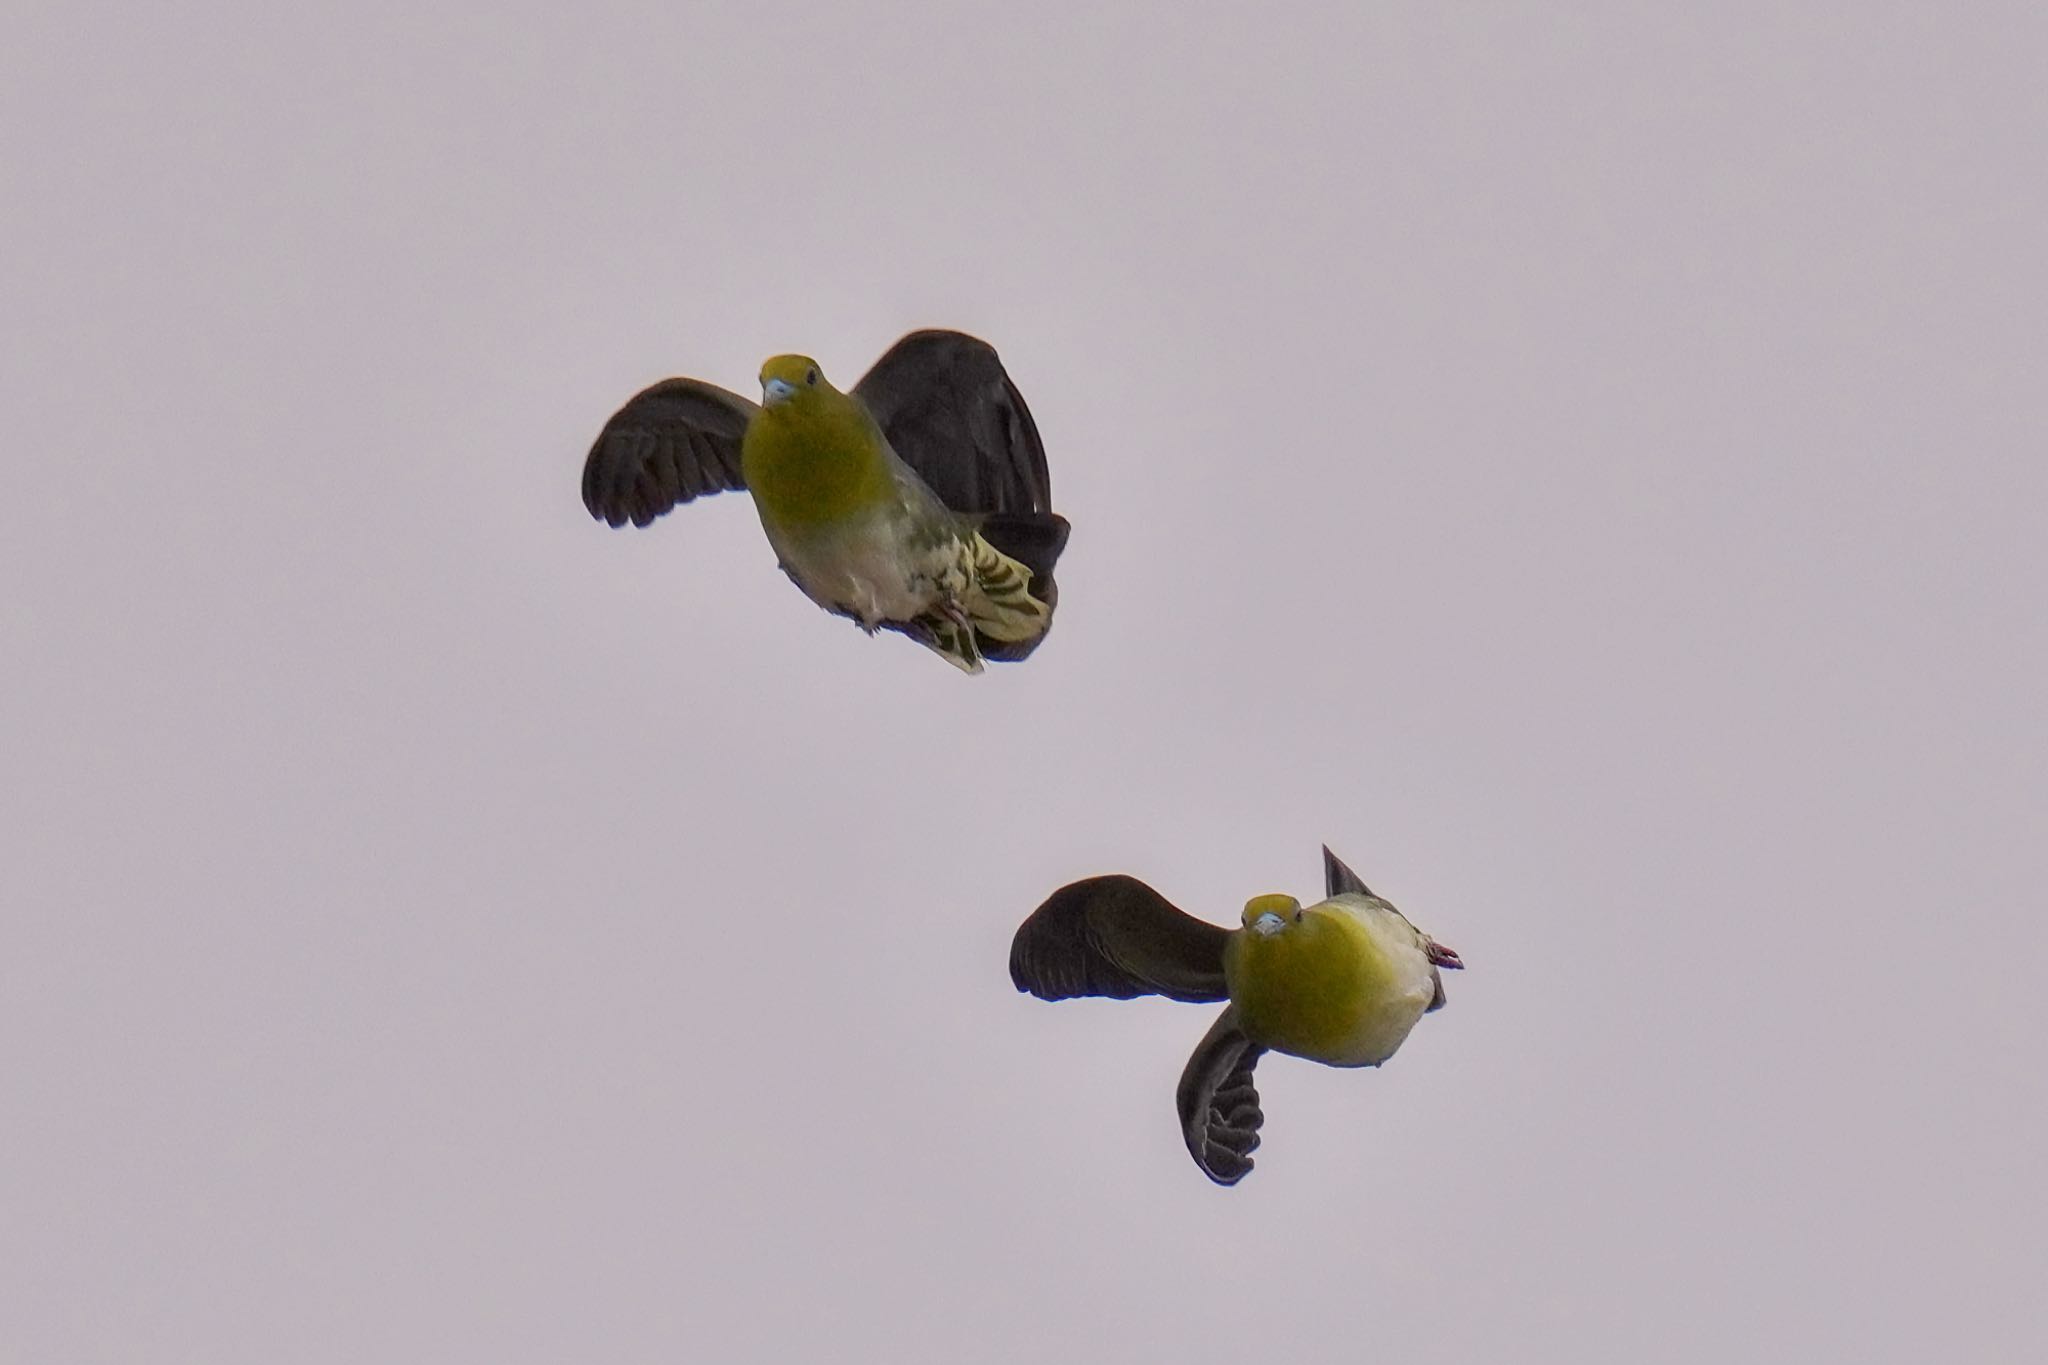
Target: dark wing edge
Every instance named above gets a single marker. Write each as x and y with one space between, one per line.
951 411
1340 880
1218 1101
671 442
1115 937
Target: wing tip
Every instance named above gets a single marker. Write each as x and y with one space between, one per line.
674 441
1218 1101
1226 1168
1339 879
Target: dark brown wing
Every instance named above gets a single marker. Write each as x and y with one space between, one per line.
1339 880
1219 1102
949 409
1117 937
673 442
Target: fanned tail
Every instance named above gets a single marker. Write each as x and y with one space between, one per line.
1014 555
1002 606
949 639
1005 606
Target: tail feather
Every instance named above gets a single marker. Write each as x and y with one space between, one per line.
1018 610
1033 539
954 643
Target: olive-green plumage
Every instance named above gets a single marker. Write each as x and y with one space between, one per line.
814 457
919 502
1340 982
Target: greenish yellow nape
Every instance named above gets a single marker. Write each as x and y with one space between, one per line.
1283 906
797 371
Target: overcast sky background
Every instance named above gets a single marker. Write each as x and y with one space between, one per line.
1587 468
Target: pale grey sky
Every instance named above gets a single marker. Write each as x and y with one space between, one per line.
1588 468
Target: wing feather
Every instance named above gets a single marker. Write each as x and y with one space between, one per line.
673 442
1116 937
950 410
1219 1102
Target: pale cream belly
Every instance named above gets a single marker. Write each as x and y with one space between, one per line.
1376 1034
1400 998
865 571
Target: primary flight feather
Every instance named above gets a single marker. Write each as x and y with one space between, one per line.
919 502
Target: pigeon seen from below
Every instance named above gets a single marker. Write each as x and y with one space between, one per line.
1340 982
917 503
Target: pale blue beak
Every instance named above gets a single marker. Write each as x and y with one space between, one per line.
774 391
1268 924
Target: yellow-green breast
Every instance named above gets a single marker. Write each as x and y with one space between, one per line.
1331 985
814 459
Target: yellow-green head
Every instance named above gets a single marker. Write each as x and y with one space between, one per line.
792 379
1268 915
812 455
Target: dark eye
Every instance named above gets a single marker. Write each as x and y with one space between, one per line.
811 376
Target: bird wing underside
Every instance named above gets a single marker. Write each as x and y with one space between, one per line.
1116 937
678 440
1219 1101
950 411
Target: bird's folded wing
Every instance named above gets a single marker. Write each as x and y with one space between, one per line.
673 442
1339 880
1117 937
950 411
1219 1102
